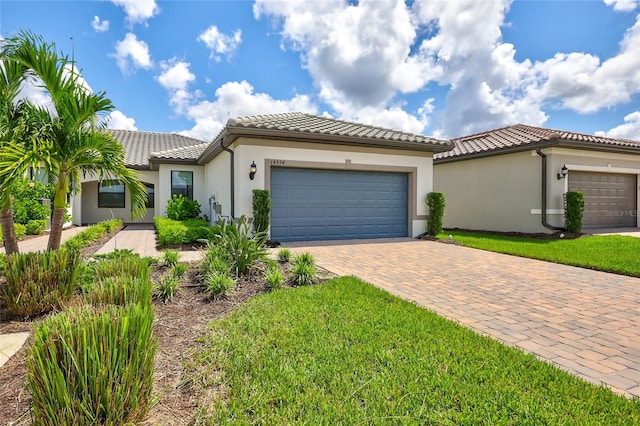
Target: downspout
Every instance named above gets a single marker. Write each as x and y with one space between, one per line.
543 214
233 192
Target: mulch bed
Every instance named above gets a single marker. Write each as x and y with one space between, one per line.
178 324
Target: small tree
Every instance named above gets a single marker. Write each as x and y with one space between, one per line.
261 210
573 211
436 203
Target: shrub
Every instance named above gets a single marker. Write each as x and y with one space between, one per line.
170 258
36 226
120 290
167 288
90 367
573 211
436 203
172 232
236 248
26 201
284 255
39 282
303 274
217 285
181 208
20 230
305 258
132 266
261 211
214 260
179 269
274 278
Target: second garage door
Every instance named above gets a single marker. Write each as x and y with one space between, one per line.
609 198
309 204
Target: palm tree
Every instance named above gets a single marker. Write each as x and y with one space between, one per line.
12 116
74 143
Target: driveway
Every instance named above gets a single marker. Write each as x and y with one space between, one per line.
585 322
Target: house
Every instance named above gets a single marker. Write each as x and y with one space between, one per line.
513 179
328 179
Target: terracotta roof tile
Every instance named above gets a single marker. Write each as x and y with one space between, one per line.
139 146
505 138
308 123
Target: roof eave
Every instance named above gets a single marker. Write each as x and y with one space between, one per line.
232 133
590 146
155 161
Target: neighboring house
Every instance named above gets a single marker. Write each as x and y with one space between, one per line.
511 179
328 179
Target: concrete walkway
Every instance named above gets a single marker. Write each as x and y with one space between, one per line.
585 322
40 243
141 239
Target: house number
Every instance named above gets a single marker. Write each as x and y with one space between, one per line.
277 162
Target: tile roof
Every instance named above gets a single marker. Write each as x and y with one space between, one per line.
192 152
507 139
139 147
298 122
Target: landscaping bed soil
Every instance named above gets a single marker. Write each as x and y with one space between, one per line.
178 325
540 236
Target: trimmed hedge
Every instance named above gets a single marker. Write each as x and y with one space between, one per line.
173 232
574 210
92 233
436 203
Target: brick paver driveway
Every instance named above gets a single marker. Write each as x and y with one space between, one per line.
583 321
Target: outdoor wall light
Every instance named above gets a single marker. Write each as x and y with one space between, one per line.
252 170
563 172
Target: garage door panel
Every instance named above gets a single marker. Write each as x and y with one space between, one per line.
337 204
610 199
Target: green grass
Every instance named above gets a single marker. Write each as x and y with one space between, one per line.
345 352
610 253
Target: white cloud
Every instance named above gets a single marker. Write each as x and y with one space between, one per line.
629 130
132 53
138 11
235 99
359 55
221 45
363 56
117 120
99 26
175 78
584 84
623 5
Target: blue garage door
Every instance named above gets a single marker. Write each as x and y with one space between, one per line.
310 205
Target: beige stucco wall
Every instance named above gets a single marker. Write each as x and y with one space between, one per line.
295 154
589 161
492 193
85 206
503 192
217 175
163 190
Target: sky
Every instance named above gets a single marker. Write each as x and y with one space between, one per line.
440 68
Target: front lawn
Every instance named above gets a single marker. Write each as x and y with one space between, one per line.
345 352
610 253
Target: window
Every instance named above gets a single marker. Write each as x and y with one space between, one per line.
151 192
182 183
39 174
111 194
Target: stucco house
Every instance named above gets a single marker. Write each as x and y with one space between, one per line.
329 179
513 179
